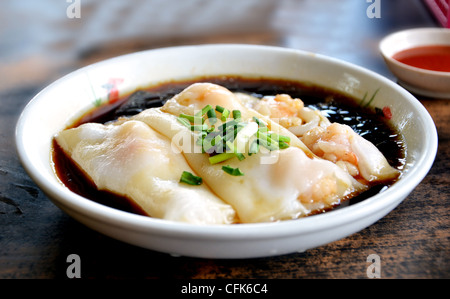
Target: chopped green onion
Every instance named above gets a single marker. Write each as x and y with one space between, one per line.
224 127
204 110
265 137
211 114
236 114
254 148
283 145
280 138
189 178
240 156
225 112
201 138
184 121
220 146
209 143
225 115
210 130
259 122
221 157
231 146
224 143
193 119
220 109
266 141
199 127
232 171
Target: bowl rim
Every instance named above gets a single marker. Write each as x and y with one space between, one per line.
419 31
62 196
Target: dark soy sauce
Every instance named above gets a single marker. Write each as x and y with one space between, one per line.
369 123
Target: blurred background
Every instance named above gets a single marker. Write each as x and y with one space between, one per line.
41 40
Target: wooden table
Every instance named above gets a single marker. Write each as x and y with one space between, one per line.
412 241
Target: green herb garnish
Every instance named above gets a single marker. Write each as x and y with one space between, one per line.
221 157
232 171
254 147
211 114
224 111
204 110
223 143
193 119
237 114
189 178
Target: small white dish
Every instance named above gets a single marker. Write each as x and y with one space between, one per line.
60 103
420 81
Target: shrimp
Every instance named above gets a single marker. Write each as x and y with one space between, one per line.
333 143
341 145
195 97
289 112
322 193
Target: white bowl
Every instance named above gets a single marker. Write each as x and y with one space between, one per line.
417 80
60 103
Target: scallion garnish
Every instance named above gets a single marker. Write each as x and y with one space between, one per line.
189 178
199 127
204 110
254 147
224 143
232 171
196 127
237 114
225 112
233 149
259 122
212 117
280 138
283 145
193 119
221 157
220 109
265 140
184 121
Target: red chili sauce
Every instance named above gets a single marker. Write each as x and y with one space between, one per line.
435 58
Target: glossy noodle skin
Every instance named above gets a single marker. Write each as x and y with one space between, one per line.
335 142
142 157
288 184
132 160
